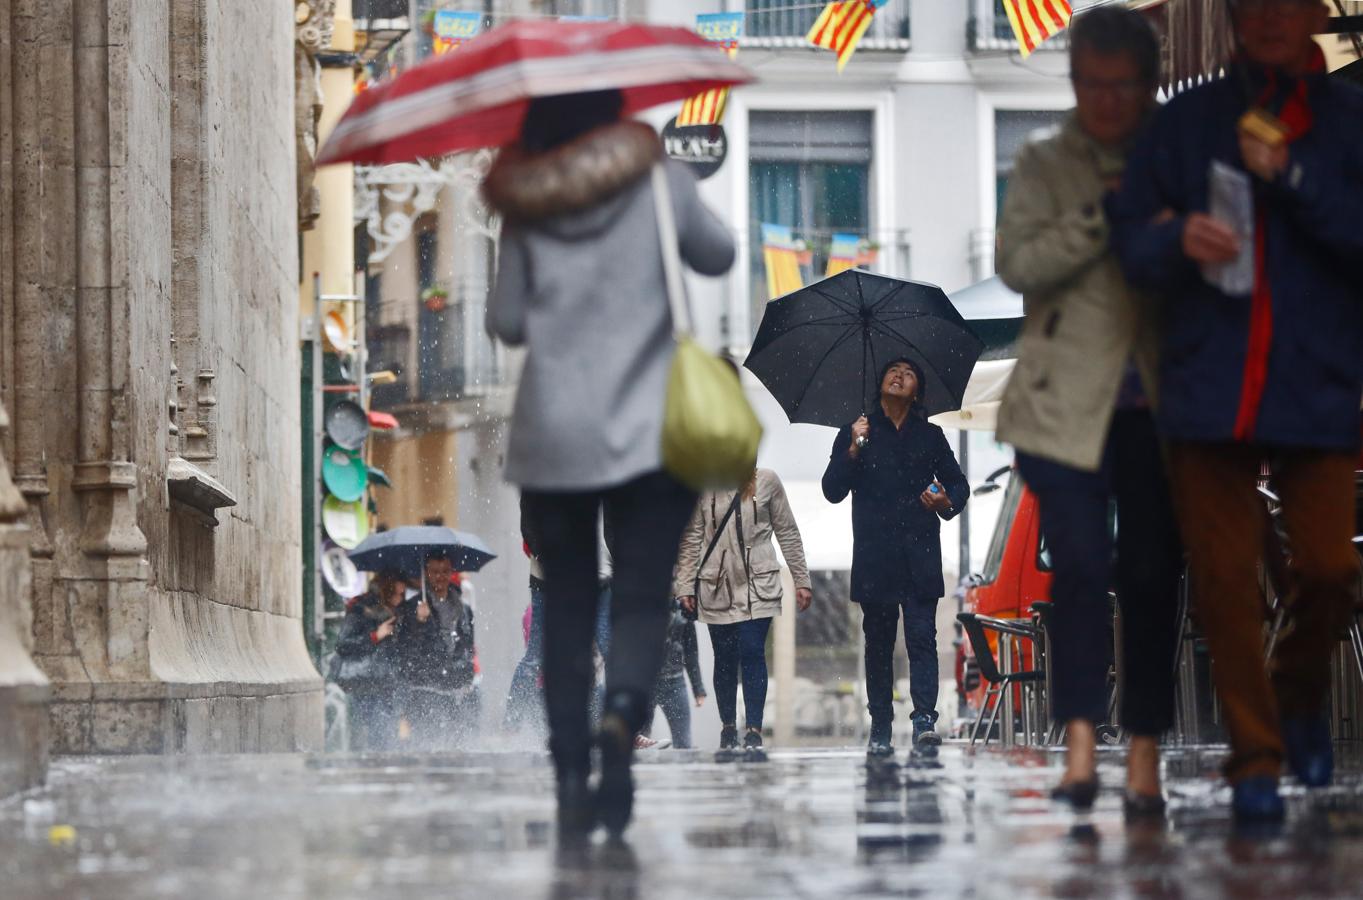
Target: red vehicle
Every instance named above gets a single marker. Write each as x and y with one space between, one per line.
1016 574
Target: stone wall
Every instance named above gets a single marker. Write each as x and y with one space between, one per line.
150 262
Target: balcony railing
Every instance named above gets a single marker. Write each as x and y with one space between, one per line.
989 29
780 24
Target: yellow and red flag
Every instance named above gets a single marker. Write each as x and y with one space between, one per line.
782 261
841 26
1036 21
707 108
454 28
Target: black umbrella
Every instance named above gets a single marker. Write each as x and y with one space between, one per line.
819 349
406 550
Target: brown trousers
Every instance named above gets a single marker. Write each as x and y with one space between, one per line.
1223 521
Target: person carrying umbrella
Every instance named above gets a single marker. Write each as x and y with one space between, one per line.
580 285
904 480
368 665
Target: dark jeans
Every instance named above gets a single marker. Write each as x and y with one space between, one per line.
675 701
374 714
879 623
649 515
741 645
441 720
1074 518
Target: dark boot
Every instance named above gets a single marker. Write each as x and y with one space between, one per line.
623 717
881 745
1310 754
576 810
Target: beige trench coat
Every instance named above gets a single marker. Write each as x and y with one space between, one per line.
730 591
1084 323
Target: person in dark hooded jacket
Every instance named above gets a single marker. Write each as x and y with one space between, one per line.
904 481
580 283
368 663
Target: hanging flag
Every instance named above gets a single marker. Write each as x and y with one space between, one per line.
842 254
724 29
453 28
1035 21
841 26
782 261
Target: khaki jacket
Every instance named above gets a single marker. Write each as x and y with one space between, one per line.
1084 323
730 591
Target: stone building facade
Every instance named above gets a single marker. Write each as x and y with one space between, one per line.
149 364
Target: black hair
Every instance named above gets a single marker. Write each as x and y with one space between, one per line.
553 121
916 406
1110 30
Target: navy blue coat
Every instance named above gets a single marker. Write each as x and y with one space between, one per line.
1313 218
896 541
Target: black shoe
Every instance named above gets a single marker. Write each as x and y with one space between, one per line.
622 719
576 811
1256 801
1078 794
752 747
728 744
1143 807
1310 753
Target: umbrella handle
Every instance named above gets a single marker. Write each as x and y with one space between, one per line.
863 440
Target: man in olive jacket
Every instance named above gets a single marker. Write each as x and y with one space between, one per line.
1078 409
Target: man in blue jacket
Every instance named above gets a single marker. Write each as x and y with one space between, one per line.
1269 374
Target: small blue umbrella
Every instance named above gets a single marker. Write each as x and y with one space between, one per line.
406 550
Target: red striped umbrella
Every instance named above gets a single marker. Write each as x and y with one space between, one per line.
476 96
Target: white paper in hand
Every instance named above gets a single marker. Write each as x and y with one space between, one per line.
1232 202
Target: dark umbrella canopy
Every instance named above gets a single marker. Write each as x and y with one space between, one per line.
820 349
406 550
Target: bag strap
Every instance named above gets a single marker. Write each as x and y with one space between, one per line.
667 238
709 551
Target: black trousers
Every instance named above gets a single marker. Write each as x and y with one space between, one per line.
648 516
1074 519
879 624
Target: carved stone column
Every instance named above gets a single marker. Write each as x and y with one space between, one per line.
23 689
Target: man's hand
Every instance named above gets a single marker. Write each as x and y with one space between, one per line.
700 700
1208 240
803 598
423 611
385 630
861 429
937 501
688 604
1262 158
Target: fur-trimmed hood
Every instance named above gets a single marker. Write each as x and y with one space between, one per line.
576 188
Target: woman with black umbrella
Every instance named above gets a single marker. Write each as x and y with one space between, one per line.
904 480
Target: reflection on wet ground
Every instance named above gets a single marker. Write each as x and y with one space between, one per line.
805 824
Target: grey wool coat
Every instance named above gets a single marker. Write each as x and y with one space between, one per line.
580 284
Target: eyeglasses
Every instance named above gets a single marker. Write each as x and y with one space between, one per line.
1124 89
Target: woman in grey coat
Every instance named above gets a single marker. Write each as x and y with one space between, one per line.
580 284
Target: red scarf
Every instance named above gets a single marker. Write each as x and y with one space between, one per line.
1297 116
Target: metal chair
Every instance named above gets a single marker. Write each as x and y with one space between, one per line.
1000 681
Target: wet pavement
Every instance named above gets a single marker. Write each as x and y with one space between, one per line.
809 823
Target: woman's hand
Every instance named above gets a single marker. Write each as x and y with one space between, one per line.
688 604
803 598
937 501
700 700
423 611
385 630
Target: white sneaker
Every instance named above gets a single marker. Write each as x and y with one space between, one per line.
644 742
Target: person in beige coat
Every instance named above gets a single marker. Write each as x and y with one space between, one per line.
1078 411
729 546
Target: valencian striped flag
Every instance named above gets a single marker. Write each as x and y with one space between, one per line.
1035 21
707 108
782 261
841 25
